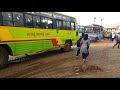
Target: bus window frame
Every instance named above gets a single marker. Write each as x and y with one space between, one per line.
59 27
34 23
44 24
68 27
25 24
63 23
50 26
72 28
19 23
6 20
1 18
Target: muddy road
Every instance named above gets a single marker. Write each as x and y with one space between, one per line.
54 64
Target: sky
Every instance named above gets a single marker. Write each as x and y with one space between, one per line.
87 18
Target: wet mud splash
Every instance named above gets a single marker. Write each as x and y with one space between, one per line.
87 68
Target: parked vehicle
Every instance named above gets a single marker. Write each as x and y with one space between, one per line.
95 37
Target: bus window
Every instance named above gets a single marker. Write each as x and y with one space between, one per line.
0 18
72 26
7 18
44 22
59 24
50 23
8 23
68 25
28 21
64 25
18 19
36 21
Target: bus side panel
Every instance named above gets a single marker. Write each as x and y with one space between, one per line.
68 35
22 38
30 33
30 47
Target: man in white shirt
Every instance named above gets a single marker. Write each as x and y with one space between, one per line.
113 35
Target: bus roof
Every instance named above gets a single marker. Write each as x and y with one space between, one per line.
65 17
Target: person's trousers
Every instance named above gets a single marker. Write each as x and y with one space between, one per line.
78 52
85 55
117 43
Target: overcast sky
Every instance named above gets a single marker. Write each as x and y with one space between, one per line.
86 18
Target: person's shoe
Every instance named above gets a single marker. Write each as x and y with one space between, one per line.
84 61
77 57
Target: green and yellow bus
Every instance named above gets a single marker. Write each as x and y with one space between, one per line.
28 32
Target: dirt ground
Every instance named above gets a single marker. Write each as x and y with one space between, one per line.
103 61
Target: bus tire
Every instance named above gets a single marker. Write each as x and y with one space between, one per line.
3 57
67 47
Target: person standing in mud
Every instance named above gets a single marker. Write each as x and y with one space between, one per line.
110 37
117 40
85 47
78 45
113 36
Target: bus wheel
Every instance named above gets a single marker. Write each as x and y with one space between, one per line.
67 47
3 57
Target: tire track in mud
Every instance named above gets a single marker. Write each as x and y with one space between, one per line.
105 50
56 71
67 72
103 59
53 68
38 68
100 52
20 63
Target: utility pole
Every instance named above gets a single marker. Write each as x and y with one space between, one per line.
94 19
94 24
101 23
